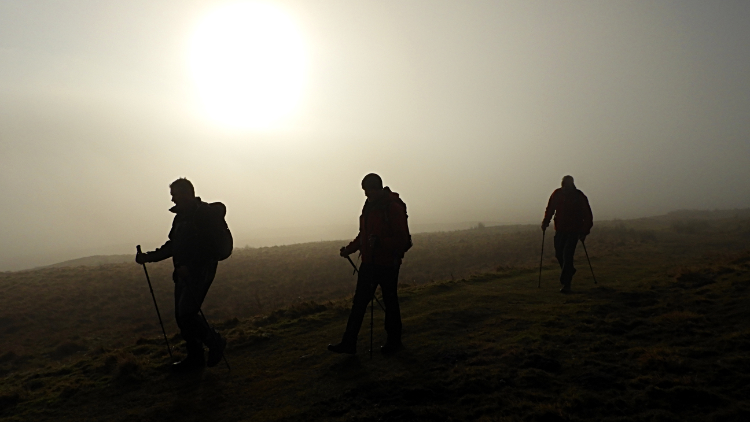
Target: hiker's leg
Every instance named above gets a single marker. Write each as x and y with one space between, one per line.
389 287
204 277
559 242
189 295
571 240
366 285
182 314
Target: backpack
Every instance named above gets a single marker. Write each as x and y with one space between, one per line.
221 237
409 243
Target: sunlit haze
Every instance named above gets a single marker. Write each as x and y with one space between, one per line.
248 63
472 111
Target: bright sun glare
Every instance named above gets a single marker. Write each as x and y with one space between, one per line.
248 62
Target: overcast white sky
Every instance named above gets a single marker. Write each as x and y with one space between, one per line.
472 110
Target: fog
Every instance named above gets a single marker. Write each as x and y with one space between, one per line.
472 111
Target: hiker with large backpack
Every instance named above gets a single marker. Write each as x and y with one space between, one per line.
382 241
198 240
573 222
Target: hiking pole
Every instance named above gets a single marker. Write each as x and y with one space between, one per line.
372 304
148 279
351 262
589 260
541 259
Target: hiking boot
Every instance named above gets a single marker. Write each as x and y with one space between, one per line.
348 348
193 362
391 347
217 352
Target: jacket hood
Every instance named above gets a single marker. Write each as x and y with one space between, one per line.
187 207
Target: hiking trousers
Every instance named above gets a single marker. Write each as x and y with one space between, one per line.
370 276
189 293
565 249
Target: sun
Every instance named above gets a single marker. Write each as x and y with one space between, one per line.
248 62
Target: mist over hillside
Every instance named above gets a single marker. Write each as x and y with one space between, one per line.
257 238
291 236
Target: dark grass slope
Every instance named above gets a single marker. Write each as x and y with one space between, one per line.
664 347
664 336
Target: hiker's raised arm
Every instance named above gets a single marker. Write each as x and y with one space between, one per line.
160 254
352 247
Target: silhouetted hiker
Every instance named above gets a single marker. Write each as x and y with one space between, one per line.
382 241
573 221
192 247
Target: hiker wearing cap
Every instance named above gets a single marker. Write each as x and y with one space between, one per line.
382 241
192 246
573 222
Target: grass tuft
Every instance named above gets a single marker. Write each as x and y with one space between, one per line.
66 349
128 369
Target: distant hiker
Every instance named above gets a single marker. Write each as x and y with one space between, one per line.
573 221
198 240
382 241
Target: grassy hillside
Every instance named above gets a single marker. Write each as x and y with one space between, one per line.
84 307
663 336
92 261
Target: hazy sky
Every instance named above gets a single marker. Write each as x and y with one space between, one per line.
472 110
